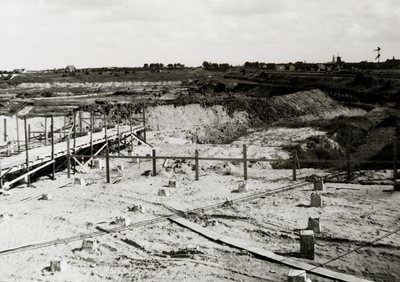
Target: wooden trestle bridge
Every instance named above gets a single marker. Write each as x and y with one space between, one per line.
24 163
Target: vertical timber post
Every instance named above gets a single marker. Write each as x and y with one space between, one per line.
118 138
107 151
130 123
27 152
395 159
29 133
45 132
68 158
245 161
5 130
52 148
348 168
91 136
1 177
196 163
19 145
144 122
80 121
154 162
294 156
74 124
108 164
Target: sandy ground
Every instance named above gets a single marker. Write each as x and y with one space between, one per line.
351 216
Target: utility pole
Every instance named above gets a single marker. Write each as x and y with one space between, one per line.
377 57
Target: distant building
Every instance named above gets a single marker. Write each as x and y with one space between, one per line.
392 64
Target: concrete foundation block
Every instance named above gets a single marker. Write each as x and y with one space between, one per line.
97 164
297 276
243 187
314 224
79 181
58 265
47 197
123 220
173 183
316 200
163 193
319 185
307 244
89 245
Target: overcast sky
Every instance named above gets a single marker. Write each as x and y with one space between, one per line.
46 34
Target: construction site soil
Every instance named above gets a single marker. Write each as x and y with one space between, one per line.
272 114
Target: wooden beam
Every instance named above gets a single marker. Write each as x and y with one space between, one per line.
92 156
317 270
45 131
8 184
19 146
80 164
53 177
5 130
27 149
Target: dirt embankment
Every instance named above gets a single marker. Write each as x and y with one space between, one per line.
223 120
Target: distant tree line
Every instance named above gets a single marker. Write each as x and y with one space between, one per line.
209 65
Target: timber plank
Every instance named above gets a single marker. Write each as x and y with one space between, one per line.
271 256
41 154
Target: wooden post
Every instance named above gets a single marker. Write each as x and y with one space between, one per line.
19 146
5 130
154 163
27 152
107 151
80 121
74 125
74 129
245 161
52 148
144 122
60 134
105 127
348 168
118 138
395 158
294 156
29 133
196 163
130 123
1 178
91 136
108 164
64 127
45 131
68 158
